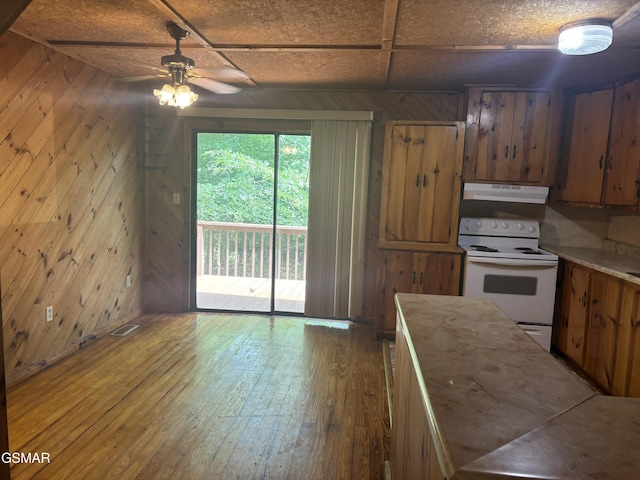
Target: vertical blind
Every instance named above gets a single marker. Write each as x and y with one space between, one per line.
338 179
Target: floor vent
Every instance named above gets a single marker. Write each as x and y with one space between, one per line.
124 330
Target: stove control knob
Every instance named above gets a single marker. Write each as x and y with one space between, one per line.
520 226
505 225
494 225
466 226
532 229
478 224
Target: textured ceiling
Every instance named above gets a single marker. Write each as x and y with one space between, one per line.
345 44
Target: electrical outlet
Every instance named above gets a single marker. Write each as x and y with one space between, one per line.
176 198
49 313
128 280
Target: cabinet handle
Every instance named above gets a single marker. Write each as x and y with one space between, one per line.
506 151
600 162
421 276
610 163
418 180
514 151
424 181
414 277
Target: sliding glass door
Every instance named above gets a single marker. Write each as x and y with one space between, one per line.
251 225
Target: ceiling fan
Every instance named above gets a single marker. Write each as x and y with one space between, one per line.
182 70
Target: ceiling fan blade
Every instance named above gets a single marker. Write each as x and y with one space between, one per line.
140 78
220 72
214 86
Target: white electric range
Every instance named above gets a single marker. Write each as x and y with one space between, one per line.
504 264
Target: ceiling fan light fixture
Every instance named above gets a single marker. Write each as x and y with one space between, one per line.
179 96
585 37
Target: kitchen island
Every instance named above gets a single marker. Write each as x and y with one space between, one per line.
475 397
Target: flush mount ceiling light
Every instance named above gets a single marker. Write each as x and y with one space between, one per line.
585 37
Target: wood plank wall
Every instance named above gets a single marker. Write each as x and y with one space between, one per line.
167 271
71 204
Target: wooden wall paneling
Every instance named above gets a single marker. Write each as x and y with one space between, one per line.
90 258
30 149
71 201
32 216
60 257
166 278
12 48
9 11
30 167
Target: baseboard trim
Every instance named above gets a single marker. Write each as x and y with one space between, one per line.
69 350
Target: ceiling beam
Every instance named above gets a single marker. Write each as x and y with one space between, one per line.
631 14
311 48
389 21
10 11
167 9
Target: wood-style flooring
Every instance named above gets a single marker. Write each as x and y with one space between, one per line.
209 396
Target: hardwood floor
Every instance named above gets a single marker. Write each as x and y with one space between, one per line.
209 396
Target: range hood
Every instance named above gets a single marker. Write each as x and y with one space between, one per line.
505 193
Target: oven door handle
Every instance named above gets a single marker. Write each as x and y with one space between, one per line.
513 262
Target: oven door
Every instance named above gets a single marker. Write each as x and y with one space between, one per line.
523 289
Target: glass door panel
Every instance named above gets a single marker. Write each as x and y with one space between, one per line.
251 208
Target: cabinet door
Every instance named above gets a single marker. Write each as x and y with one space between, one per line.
621 183
626 373
437 273
413 272
575 308
421 184
512 136
581 174
601 329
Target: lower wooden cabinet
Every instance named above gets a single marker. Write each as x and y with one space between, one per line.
626 375
412 450
597 328
401 271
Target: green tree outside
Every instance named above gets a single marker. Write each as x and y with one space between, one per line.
235 184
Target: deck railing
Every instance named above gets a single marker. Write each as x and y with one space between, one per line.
245 250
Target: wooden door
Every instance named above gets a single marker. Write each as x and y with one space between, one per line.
402 271
439 174
623 166
529 137
577 286
512 136
626 370
421 182
437 273
581 174
395 274
602 328
495 129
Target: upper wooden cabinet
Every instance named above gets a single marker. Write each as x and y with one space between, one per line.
580 172
600 160
622 186
512 136
421 182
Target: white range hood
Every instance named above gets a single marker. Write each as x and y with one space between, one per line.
505 193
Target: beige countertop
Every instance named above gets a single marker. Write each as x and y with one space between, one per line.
500 406
604 261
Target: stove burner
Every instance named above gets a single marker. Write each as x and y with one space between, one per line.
483 248
529 251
